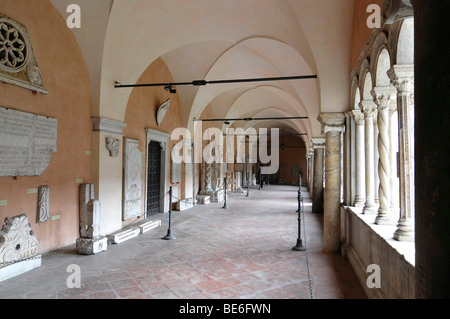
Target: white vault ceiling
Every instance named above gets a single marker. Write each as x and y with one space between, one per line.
218 40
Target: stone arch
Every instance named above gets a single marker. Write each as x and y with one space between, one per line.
365 81
405 42
355 94
381 60
382 66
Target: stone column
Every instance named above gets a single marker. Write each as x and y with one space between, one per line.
308 159
376 158
311 171
319 146
369 109
332 126
393 137
347 160
402 77
360 178
383 97
352 160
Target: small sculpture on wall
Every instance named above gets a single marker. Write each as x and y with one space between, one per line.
164 107
43 204
112 145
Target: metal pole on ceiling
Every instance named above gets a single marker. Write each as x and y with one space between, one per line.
204 82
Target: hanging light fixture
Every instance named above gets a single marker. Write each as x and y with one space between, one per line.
282 145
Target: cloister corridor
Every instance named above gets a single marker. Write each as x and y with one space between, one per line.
241 252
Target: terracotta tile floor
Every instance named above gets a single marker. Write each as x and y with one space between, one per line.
243 252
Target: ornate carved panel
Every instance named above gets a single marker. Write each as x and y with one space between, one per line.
18 64
17 240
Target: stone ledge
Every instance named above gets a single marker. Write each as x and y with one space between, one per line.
145 227
124 235
406 250
19 268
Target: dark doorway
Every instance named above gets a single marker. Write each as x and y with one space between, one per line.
154 179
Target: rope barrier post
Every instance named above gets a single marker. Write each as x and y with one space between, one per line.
248 186
225 206
299 246
169 235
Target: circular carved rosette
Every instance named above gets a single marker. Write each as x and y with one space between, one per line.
13 48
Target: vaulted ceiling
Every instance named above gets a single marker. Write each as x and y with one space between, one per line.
217 40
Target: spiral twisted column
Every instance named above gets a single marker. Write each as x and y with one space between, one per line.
383 97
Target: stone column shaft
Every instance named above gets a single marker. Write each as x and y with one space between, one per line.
347 160
384 98
369 109
332 126
319 146
394 180
360 195
402 77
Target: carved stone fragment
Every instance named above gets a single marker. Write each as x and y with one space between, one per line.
113 146
43 213
17 240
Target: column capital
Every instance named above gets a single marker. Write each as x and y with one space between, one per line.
359 117
384 97
318 142
332 122
369 108
402 77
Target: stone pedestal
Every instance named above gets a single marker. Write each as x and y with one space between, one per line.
91 241
187 203
87 246
203 199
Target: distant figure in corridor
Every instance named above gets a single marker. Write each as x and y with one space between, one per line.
261 177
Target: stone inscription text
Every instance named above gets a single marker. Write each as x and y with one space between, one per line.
27 142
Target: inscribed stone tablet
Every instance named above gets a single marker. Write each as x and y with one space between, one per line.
133 179
27 142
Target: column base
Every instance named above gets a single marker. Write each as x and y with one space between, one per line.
383 218
370 210
404 232
359 203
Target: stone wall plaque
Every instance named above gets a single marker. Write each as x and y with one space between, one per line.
43 211
133 180
27 141
175 172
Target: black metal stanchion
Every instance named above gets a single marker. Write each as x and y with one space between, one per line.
225 206
169 235
248 186
299 246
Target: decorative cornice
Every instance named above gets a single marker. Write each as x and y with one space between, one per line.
104 125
